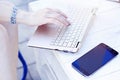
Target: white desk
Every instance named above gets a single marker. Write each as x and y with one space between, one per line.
54 65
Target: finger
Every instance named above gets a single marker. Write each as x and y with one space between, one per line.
59 12
55 21
62 20
48 9
53 12
58 17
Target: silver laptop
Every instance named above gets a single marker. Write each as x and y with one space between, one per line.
58 37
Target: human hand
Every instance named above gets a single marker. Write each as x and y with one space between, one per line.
48 16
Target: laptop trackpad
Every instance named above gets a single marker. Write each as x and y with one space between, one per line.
47 30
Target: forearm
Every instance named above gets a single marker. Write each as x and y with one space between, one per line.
6 9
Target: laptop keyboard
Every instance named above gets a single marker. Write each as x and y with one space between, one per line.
72 35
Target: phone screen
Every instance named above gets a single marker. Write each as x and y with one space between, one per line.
94 59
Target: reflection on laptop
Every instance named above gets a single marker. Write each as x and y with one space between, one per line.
69 38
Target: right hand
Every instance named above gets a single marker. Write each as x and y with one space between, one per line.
47 16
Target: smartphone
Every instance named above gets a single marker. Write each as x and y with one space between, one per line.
94 59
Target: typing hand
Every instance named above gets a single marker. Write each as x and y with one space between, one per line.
48 16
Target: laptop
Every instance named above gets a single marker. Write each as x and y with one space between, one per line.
68 39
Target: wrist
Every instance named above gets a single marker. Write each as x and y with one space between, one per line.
23 17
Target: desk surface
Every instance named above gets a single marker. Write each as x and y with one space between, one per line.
105 29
